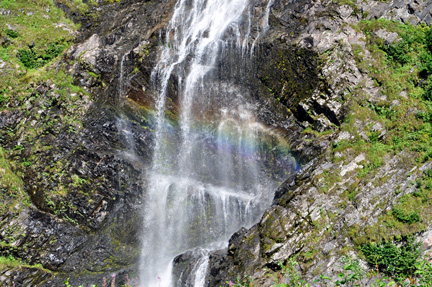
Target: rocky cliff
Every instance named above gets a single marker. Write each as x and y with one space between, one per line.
347 83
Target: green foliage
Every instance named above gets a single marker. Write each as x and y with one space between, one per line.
383 282
425 65
411 214
352 273
398 52
11 33
424 272
428 97
406 217
350 276
6 4
398 260
11 185
32 60
404 66
291 274
28 58
12 262
9 262
428 40
77 181
245 282
48 32
78 6
42 32
53 50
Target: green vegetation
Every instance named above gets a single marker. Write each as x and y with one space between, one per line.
406 216
411 214
11 33
41 33
12 262
395 123
9 262
12 193
32 59
105 283
402 67
36 86
78 6
380 128
396 259
403 72
84 7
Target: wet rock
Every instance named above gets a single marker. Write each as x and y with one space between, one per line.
186 266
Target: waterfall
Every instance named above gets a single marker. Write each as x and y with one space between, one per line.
210 173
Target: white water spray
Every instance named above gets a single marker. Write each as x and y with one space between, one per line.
208 177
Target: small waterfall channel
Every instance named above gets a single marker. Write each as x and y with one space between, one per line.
211 172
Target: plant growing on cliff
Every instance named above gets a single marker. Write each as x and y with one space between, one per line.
424 272
397 260
32 59
245 282
290 273
406 217
352 272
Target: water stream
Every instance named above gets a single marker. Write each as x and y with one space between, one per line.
211 173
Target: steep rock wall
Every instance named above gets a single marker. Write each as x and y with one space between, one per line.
85 190
303 71
311 219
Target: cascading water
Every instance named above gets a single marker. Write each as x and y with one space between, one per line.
209 175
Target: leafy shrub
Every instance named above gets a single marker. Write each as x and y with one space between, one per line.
352 273
53 50
428 93
394 260
28 58
406 217
428 173
398 52
426 65
241 282
33 60
291 274
11 33
428 39
424 272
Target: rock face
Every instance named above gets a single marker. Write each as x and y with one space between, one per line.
304 219
413 12
85 189
301 221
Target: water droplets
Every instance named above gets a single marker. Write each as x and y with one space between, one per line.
209 175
